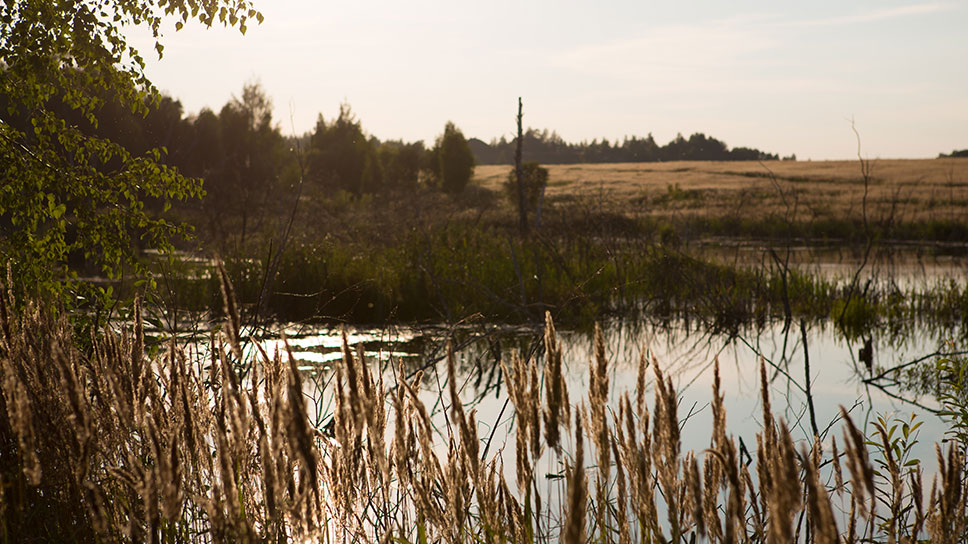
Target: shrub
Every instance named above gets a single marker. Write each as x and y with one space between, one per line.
535 179
953 393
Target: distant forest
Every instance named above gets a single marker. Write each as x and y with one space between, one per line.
240 151
549 148
243 157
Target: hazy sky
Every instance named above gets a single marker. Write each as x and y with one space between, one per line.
783 77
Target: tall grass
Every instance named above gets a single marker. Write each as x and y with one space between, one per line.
107 444
447 273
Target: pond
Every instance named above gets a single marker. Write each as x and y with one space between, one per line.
813 369
837 375
907 265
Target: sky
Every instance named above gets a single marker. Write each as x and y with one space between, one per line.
783 77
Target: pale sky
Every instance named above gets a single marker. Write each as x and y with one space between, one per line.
779 76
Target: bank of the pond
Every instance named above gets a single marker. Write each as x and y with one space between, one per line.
450 274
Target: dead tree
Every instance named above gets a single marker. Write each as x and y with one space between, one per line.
519 175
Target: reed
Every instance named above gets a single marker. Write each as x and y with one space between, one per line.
108 444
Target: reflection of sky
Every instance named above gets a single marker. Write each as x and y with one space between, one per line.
836 375
836 380
688 361
904 266
687 356
312 351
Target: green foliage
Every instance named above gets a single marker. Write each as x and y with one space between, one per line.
891 445
855 315
342 157
69 197
953 393
535 178
454 270
454 160
402 164
809 294
204 157
246 165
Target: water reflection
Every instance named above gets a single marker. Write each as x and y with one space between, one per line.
905 266
837 377
887 370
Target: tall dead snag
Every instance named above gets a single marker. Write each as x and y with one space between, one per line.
519 175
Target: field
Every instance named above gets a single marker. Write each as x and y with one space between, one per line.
899 190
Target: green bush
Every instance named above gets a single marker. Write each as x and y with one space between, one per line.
535 179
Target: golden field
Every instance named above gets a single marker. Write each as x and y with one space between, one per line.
897 190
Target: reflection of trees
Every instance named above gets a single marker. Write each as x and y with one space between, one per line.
923 376
685 348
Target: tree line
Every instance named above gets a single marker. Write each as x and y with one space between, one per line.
550 148
240 148
243 159
242 156
85 184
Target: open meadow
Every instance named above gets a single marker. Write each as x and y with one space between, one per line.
896 190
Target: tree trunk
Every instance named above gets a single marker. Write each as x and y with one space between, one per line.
519 175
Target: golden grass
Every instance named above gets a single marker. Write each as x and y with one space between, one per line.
909 189
105 444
